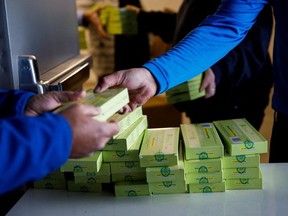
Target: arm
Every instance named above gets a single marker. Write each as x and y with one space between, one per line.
205 45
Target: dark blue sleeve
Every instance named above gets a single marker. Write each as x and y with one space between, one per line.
30 147
13 102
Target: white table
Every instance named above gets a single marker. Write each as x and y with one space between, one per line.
272 200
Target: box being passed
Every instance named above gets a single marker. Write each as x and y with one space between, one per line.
109 101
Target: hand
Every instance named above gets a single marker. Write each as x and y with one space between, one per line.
140 83
49 101
132 8
208 83
93 18
89 135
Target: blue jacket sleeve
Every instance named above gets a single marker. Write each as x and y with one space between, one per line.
205 45
30 147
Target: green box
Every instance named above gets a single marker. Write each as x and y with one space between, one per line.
207 187
127 119
135 188
109 101
128 137
203 178
122 155
126 167
166 173
167 187
240 137
84 187
86 164
241 172
244 183
103 176
132 176
201 141
249 160
58 184
160 147
203 166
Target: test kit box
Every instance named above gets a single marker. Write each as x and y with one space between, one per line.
241 172
160 147
127 167
203 166
56 184
167 187
135 188
109 101
201 141
103 176
128 177
122 155
207 187
240 137
84 187
166 173
203 178
128 137
244 183
127 119
86 164
249 160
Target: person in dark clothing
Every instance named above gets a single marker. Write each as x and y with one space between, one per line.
243 78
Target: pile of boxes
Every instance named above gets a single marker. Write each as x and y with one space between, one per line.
192 158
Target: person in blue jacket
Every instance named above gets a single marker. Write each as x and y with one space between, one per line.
242 79
35 142
203 47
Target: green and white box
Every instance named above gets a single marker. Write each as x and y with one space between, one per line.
122 155
160 147
167 187
203 178
244 183
201 141
249 160
128 137
203 166
127 119
207 187
132 176
166 173
135 188
56 184
241 172
109 101
86 164
240 137
84 187
126 167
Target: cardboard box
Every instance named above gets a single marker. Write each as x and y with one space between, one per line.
249 160
203 166
203 178
160 147
136 188
126 167
241 172
201 141
207 188
167 187
240 137
245 183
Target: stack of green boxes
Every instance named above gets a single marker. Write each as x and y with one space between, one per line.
119 20
122 153
159 155
243 144
186 91
203 151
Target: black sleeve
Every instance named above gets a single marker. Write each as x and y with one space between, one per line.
250 56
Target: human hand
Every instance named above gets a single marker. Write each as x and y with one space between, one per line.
89 135
209 83
92 17
133 8
49 101
140 83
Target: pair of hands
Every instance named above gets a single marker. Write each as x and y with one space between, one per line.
142 85
89 135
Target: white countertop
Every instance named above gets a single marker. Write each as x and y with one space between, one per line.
272 200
